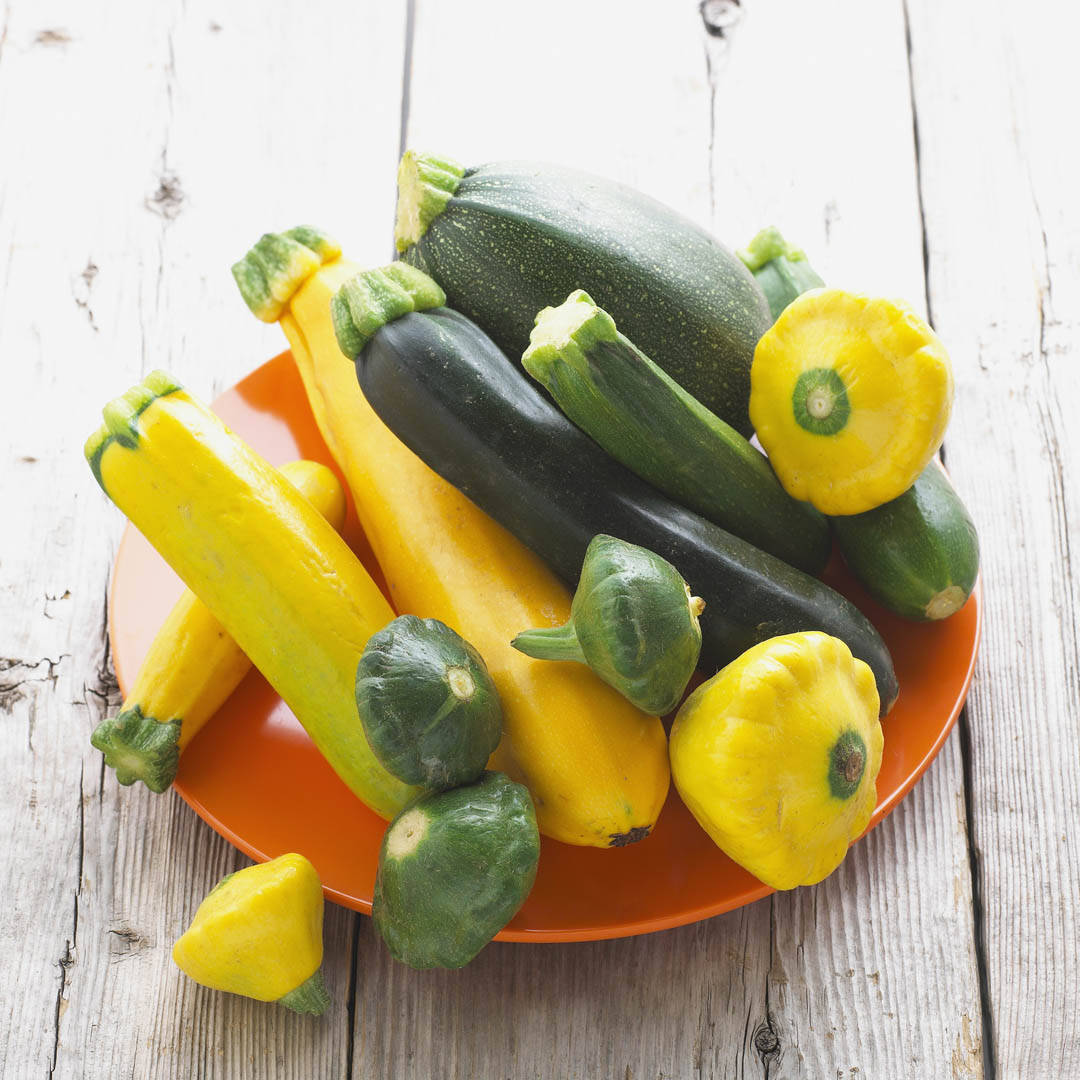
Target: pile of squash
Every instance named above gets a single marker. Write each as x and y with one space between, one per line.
552 389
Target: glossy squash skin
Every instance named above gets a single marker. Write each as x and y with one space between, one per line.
596 767
777 757
509 238
191 667
917 555
615 393
263 560
451 394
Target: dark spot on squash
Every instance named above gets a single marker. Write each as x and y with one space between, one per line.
630 837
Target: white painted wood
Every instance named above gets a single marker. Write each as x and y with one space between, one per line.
616 90
1000 177
142 149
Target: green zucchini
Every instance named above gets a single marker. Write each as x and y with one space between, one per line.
507 239
447 391
633 620
453 870
644 419
918 555
428 705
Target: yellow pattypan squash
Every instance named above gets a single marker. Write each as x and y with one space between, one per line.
259 933
850 396
777 756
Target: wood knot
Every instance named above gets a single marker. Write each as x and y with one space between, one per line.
719 16
168 200
767 1042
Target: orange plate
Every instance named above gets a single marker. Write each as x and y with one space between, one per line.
256 778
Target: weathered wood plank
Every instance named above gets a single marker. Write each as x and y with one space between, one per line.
156 143
999 185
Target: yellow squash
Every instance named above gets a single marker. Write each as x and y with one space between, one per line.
259 933
264 561
850 396
191 667
777 756
596 767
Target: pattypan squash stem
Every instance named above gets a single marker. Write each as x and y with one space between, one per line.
551 643
309 997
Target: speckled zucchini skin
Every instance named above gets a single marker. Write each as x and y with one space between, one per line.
516 237
444 388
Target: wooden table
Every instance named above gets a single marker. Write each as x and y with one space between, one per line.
919 148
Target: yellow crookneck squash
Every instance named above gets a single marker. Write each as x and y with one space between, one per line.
777 756
596 766
850 396
263 560
191 667
259 933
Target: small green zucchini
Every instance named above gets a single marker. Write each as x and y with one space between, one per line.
918 555
643 418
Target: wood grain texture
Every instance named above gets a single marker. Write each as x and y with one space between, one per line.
156 142
999 184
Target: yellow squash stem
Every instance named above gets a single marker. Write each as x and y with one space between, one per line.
850 396
264 561
191 667
259 933
596 766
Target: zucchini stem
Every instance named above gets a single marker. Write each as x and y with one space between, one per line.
425 184
372 298
278 265
551 643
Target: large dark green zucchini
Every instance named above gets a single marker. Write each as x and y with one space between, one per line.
643 418
917 555
448 392
507 239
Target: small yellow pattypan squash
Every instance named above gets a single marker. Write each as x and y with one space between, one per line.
777 756
259 933
850 396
